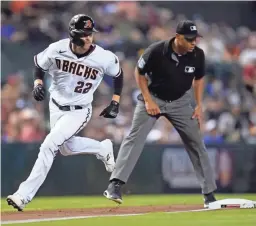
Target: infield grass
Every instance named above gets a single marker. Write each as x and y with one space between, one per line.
237 217
49 203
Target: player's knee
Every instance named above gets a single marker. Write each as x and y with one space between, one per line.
52 142
49 147
65 150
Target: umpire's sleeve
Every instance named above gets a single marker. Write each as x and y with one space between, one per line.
200 68
143 64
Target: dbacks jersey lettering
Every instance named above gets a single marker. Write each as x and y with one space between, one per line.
74 80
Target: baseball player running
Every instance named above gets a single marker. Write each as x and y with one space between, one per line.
77 67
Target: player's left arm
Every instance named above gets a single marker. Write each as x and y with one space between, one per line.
116 72
198 85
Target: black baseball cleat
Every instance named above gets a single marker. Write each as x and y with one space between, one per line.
208 198
113 192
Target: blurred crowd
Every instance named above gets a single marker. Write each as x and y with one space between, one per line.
127 28
22 119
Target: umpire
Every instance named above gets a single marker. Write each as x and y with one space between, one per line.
165 73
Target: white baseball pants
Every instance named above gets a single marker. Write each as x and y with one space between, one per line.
64 126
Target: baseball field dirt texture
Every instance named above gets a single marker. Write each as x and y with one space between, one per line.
148 210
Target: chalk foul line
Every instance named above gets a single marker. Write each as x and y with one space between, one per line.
85 217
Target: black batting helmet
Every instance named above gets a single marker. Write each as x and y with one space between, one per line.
80 26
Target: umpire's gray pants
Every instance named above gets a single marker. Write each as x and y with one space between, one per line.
179 113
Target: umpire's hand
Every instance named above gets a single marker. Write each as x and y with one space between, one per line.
111 111
198 114
38 92
152 108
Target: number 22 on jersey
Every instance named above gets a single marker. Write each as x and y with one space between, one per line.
83 87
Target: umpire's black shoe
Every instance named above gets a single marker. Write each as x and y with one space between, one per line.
114 192
208 198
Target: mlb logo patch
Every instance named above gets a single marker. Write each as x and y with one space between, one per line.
189 69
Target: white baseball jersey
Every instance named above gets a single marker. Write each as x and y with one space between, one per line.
74 80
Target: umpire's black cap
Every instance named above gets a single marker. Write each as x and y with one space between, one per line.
188 29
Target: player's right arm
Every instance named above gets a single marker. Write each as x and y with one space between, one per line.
42 64
141 69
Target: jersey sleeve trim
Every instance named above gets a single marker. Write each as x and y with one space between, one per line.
36 63
118 73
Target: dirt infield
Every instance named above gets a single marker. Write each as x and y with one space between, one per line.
25 215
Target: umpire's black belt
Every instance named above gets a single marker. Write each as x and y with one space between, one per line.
66 107
167 101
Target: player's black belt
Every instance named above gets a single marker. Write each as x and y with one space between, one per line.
66 107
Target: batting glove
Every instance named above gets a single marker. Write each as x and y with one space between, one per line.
111 111
38 92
